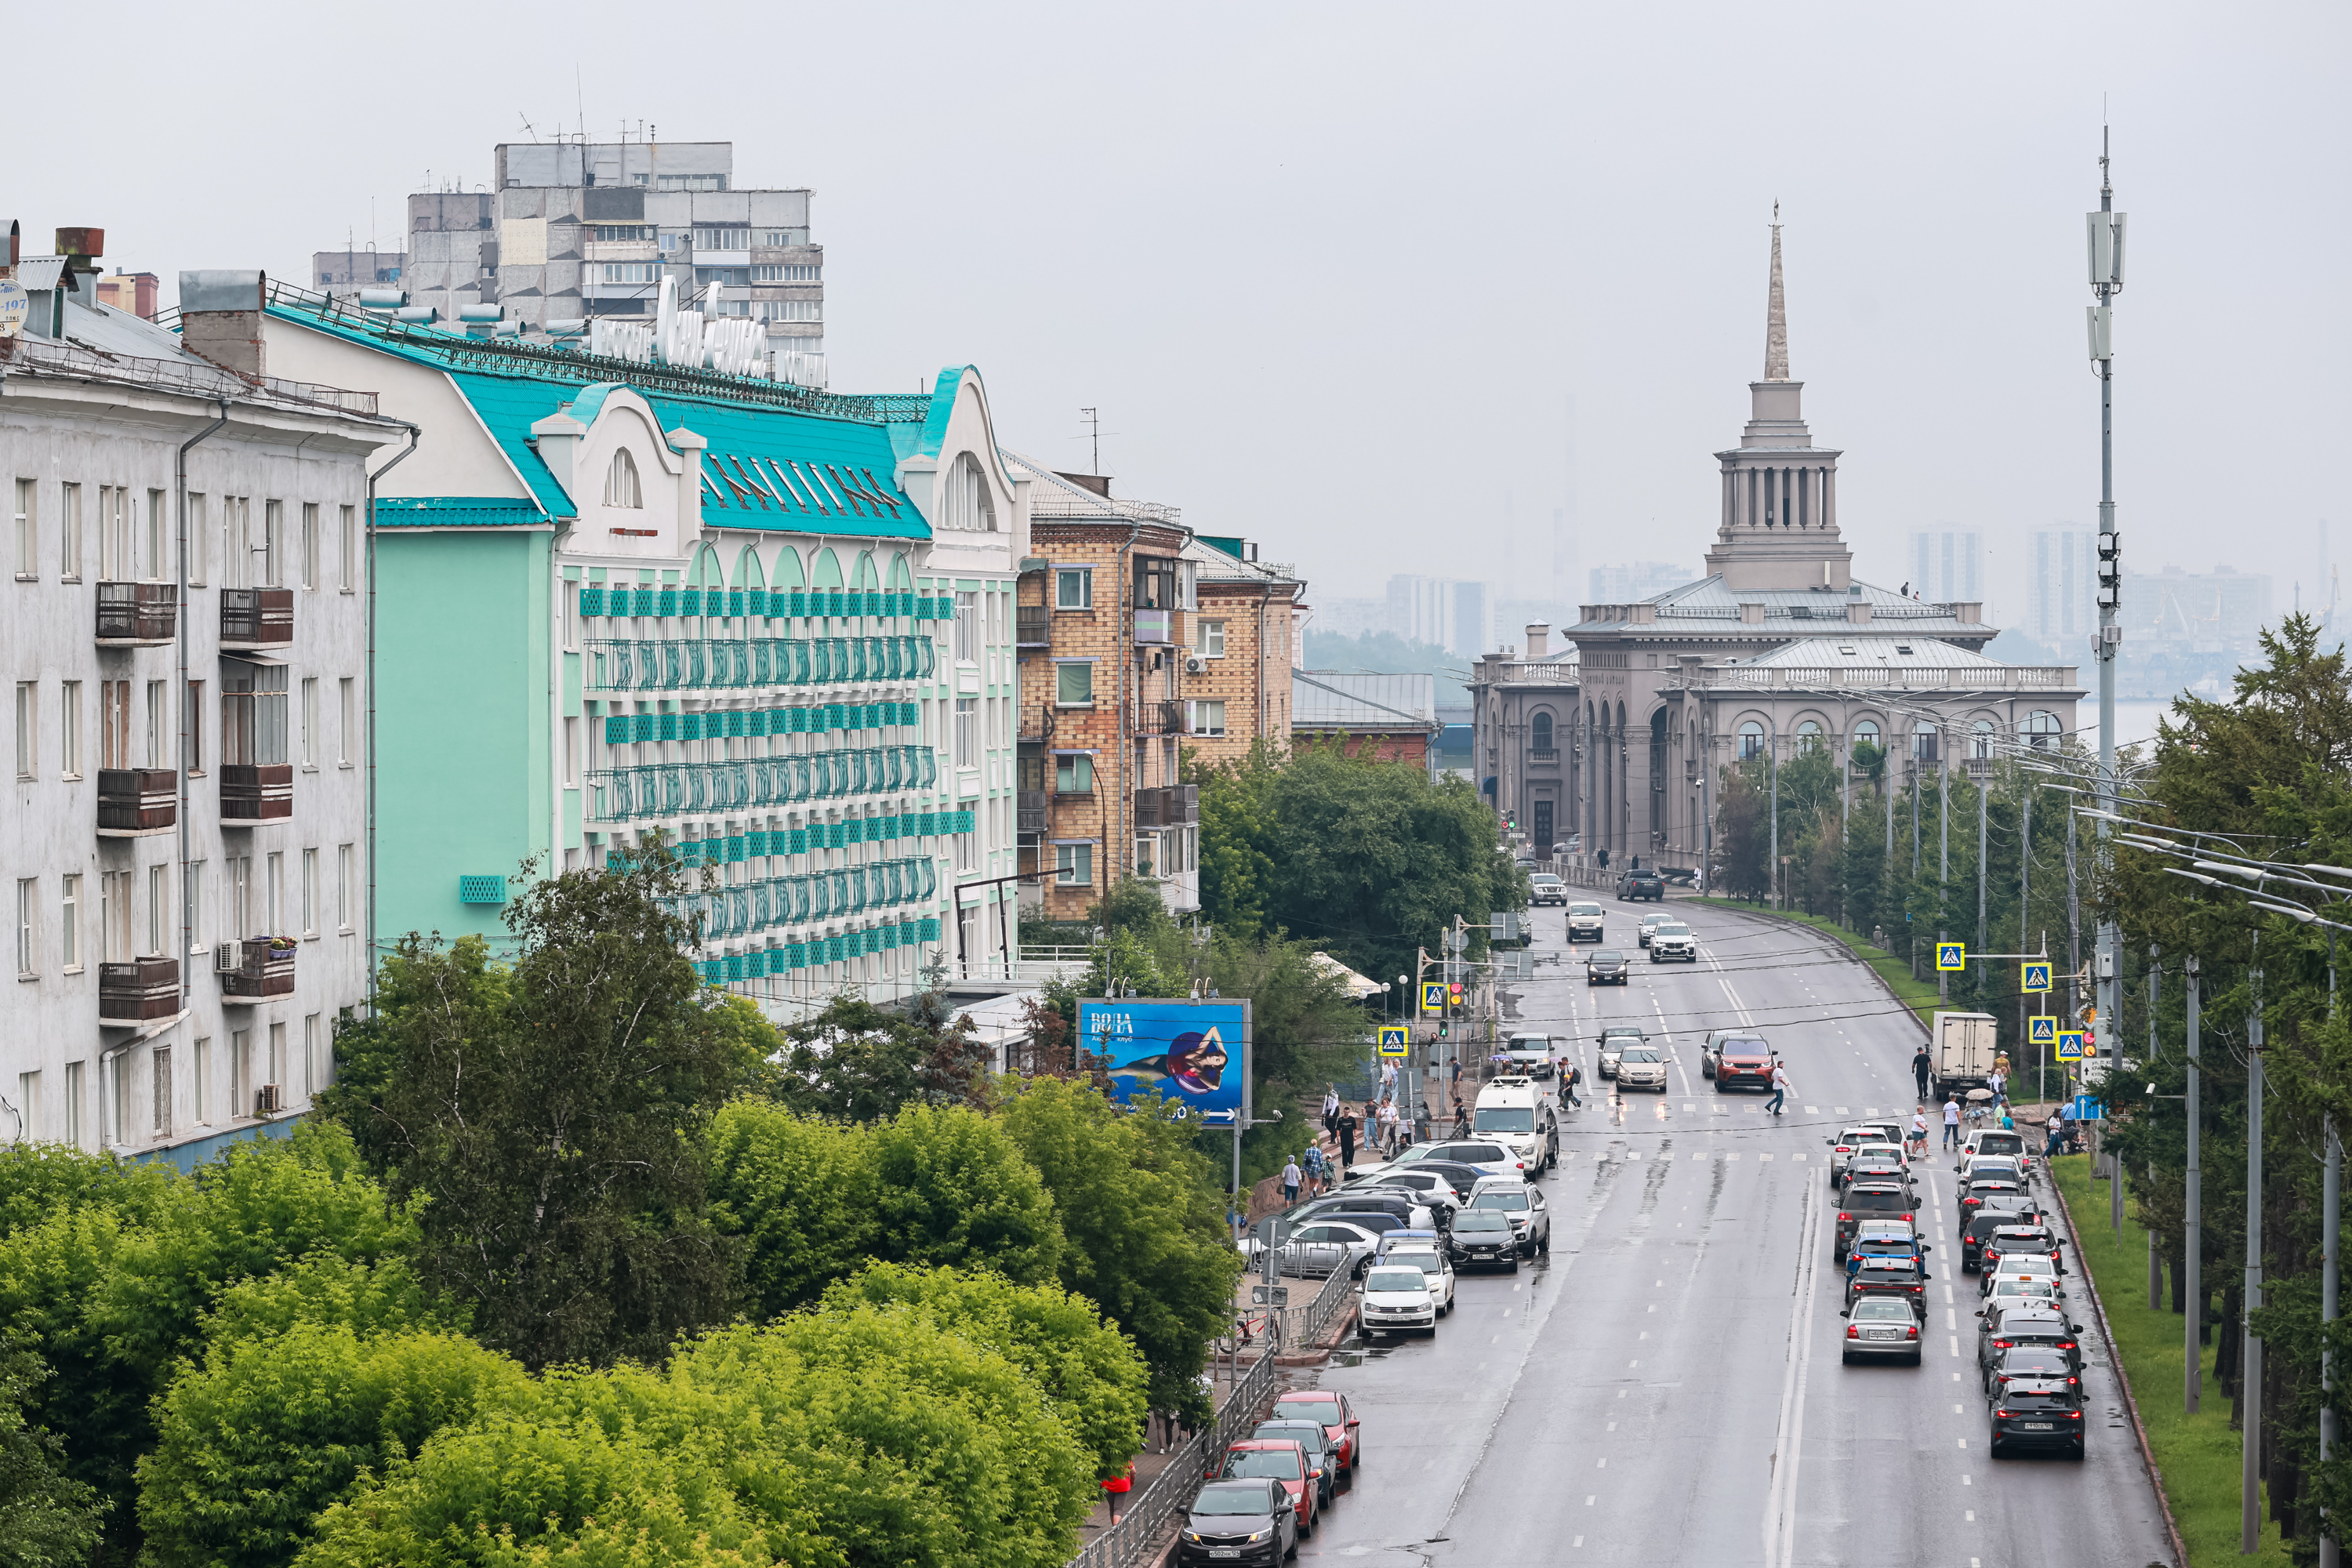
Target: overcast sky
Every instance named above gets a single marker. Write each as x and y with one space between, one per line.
1335 275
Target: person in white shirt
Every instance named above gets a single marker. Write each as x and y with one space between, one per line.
1952 1123
1780 1087
1919 1128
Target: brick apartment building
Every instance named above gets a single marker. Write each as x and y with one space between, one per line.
1243 646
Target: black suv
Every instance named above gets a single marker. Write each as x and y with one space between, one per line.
1869 1200
1905 1279
1642 883
2029 1325
2037 1413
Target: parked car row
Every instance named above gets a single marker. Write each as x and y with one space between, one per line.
1269 1491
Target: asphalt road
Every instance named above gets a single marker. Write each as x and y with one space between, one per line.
1666 1389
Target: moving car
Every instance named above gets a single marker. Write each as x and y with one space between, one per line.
2028 1323
1903 1277
1993 1140
1640 883
1615 1039
1672 942
1280 1459
1607 966
1882 1157
1514 1113
1544 887
1995 1213
2037 1413
1881 1327
1330 1408
1885 1238
1973 1195
1486 1237
1530 1055
1649 923
1742 1061
1869 1200
1430 1258
1395 1298
1585 920
2008 1239
1530 1221
2021 1265
1642 1067
1322 1453
1247 1522
1842 1146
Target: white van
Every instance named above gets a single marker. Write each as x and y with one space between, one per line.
1513 1111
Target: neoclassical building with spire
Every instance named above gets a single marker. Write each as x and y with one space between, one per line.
1616 737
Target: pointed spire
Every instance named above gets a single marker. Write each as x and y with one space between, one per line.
1776 314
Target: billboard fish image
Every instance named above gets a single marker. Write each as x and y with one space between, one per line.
1195 1053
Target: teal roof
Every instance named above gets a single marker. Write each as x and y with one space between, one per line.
778 457
457 511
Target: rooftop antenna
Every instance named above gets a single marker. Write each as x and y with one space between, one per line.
526 126
1094 419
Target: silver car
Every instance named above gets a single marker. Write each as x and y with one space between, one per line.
1614 1042
1530 1221
1642 1067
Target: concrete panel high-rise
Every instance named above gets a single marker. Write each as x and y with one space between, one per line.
1947 566
2058 589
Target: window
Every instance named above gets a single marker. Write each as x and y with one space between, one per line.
192 905
309 892
159 910
310 545
623 233
1809 736
345 888
346 528
1207 718
28 948
1209 637
28 731
2042 730
157 705
722 238
74 1103
1073 588
967 851
274 893
69 925
253 712
273 543
193 519
69 532
1540 732
572 754
237 541
1074 864
788 272
1751 740
967 733
159 562
309 721
161 1057
620 486
240 1072
1980 735
1074 774
791 310
1146 854
348 700
570 595
113 917
195 726
1923 742
28 1102
1074 683
199 1098
966 505
69 730
783 236
631 272
113 534
278 1060
28 530
967 628
311 1076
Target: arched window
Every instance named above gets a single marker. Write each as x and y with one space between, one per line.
2042 730
1865 733
1751 740
1809 736
966 506
620 486
1542 732
1980 736
1923 741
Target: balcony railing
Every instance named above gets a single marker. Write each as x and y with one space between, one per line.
1032 625
1543 756
1033 806
1155 626
1159 718
135 992
265 968
138 800
1807 678
696 789
257 618
256 792
130 613
1175 806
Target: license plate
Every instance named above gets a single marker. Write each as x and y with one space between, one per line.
1224 1551
1879 1334
2039 1425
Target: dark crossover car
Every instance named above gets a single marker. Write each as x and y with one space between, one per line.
1250 1521
1880 1327
2020 1240
1607 966
1639 884
2037 1413
1904 1278
2029 1325
1486 1237
1867 1201
1983 1221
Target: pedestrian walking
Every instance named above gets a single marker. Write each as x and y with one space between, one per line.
1922 1068
1570 1076
1389 1128
1458 1078
1919 1127
1330 1108
1999 1083
1291 1176
1315 1169
1952 1123
1343 1127
1780 1087
2057 1130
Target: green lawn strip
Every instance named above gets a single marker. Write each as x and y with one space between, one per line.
2198 1455
1920 996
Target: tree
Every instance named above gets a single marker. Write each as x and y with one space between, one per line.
38 1180
799 1192
951 1186
555 1118
1743 820
862 1062
268 1431
1145 1234
1093 1374
46 1519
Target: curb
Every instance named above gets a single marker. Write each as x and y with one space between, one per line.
2123 1376
1776 916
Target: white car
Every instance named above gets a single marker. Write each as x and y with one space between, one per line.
1586 921
1432 1191
1672 941
1544 887
1433 1262
1395 1298
2022 1266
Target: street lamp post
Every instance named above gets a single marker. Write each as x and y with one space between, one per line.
2106 265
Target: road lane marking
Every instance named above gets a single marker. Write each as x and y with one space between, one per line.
1588 1499
1972 1519
1964 1479
1602 1465
1788 1447
1956 1351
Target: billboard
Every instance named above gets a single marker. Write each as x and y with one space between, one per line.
1194 1053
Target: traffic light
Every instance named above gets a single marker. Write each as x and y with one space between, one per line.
1454 993
1445 1028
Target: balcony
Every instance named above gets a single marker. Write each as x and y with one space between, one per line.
1033 807
1036 723
1032 625
1155 626
255 969
1176 805
138 992
135 802
1543 756
257 618
1159 718
136 614
254 793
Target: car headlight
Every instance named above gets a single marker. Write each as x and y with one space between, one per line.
1262 1534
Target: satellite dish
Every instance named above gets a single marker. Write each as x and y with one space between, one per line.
16 308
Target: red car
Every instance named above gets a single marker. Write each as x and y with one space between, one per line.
1278 1459
1743 1062
1330 1408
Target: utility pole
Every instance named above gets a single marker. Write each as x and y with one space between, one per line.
2331 1231
1943 862
2106 258
2193 1257
2250 1366
1984 798
1776 800
2155 1263
2024 914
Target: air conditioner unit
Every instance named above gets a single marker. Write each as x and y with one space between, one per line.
265 1100
1196 666
228 957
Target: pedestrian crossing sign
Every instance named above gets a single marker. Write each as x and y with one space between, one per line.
1395 1039
2035 976
2070 1045
1951 955
2041 1030
1433 996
